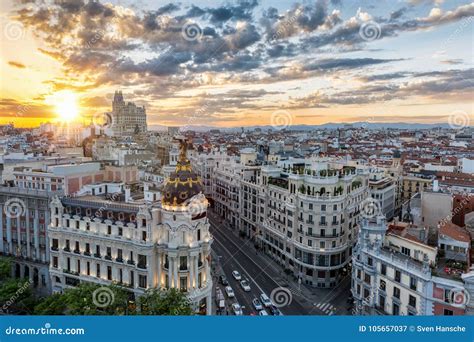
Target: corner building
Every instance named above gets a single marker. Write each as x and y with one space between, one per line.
163 244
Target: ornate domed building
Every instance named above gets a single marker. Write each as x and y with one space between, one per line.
140 245
186 241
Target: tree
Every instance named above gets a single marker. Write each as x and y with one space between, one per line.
86 299
5 268
51 305
16 296
165 302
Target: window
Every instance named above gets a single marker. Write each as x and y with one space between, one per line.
383 269
183 284
109 230
396 292
366 293
143 235
370 261
406 251
395 310
398 276
55 262
119 255
412 301
448 312
383 285
109 272
98 270
109 251
382 302
323 207
142 281
367 278
359 274
120 231
183 263
413 283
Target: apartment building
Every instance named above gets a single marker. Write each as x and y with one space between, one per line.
394 272
303 213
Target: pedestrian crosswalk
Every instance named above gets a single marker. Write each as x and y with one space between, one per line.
327 308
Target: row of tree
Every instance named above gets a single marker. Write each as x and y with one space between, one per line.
17 297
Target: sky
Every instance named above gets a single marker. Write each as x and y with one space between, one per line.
239 63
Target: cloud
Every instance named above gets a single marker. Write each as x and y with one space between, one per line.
16 64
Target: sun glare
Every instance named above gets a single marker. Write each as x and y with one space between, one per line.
65 104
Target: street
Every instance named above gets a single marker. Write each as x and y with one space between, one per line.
265 276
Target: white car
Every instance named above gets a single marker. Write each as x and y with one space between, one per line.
237 309
257 304
245 285
262 313
229 291
236 275
265 300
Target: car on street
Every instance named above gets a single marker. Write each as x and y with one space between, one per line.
236 275
265 300
275 311
237 309
223 280
229 292
262 313
257 304
245 285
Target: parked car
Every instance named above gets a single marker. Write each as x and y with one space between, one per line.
223 280
229 291
245 285
262 313
237 309
275 311
257 304
236 275
265 300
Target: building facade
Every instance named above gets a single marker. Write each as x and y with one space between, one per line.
137 245
397 274
126 118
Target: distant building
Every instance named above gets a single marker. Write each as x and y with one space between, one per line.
127 118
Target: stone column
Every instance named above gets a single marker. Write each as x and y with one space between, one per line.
191 283
27 224
1 228
9 234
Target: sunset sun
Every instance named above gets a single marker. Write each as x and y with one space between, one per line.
65 105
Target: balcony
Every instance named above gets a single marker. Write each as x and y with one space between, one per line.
53 248
130 262
142 266
323 223
67 249
76 251
119 260
108 257
97 255
86 253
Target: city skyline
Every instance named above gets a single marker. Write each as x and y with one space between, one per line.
238 63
